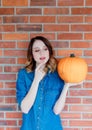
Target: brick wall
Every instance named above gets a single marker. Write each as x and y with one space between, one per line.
68 25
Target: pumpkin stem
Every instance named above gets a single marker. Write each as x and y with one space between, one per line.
72 55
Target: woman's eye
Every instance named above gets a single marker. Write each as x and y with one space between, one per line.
45 49
37 50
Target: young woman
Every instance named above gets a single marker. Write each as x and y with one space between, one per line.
41 93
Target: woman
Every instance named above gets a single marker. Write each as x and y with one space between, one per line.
41 93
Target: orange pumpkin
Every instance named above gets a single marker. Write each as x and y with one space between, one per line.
72 69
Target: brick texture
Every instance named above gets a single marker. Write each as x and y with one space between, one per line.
68 25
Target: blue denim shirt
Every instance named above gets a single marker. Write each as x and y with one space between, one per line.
41 115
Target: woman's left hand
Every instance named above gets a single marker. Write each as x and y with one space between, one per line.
73 84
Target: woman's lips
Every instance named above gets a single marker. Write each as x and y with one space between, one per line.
42 58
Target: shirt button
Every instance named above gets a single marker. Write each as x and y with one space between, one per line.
40 98
41 89
37 127
38 118
39 108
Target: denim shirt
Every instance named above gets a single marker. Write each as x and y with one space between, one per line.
41 115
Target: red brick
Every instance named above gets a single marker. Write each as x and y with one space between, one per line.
8 122
0 19
60 44
70 19
87 53
42 19
71 128
7 28
81 108
1 85
10 85
88 19
88 2
81 11
70 3
10 100
87 116
89 68
21 60
7 60
73 100
88 36
82 123
65 123
13 115
89 60
8 107
81 28
0 36
1 128
15 3
28 11
87 85
43 3
15 53
1 115
89 77
15 19
11 68
50 36
81 44
87 100
1 52
7 44
81 92
56 11
29 27
87 129
69 36
1 69
22 44
70 115
55 28
15 36
7 76
2 100
7 92
12 128
68 52
6 11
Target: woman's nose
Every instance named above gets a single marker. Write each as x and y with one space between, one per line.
41 52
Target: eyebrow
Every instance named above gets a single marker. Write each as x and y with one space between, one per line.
38 47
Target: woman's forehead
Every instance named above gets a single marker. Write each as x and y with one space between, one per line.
38 43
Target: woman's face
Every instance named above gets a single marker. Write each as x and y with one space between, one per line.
40 52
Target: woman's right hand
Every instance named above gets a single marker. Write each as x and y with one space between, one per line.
39 72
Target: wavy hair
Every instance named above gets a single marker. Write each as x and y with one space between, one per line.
31 64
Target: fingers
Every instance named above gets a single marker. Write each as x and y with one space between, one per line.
40 66
73 84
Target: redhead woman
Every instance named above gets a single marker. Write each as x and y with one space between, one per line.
40 92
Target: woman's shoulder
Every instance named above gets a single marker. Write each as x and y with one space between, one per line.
23 71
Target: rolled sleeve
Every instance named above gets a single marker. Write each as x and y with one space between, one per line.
20 87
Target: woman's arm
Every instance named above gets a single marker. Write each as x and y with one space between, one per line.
60 103
29 99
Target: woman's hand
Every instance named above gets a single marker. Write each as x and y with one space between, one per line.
73 84
59 105
39 72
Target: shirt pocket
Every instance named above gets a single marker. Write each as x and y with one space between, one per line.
51 96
